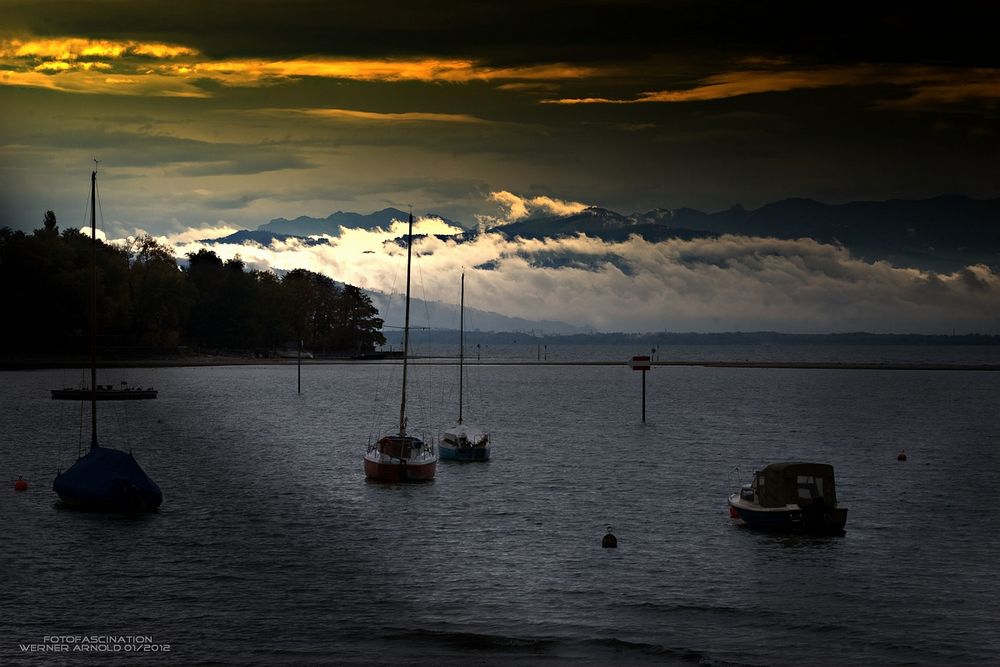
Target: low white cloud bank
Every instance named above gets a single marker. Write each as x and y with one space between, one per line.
722 284
514 207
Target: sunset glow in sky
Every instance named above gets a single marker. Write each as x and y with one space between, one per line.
224 115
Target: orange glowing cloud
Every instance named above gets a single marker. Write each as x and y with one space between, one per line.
932 85
75 48
977 85
742 82
90 80
250 72
351 114
173 69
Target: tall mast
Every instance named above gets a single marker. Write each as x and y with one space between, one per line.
93 307
406 327
461 346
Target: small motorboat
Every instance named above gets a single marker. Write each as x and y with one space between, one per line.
790 496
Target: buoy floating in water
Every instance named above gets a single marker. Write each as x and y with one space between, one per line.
901 456
21 484
609 541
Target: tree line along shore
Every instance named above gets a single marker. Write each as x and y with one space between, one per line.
149 307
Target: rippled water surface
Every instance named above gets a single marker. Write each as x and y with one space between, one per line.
271 548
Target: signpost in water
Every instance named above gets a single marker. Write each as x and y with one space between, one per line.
641 363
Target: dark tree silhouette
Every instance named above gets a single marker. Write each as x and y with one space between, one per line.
49 223
159 294
145 301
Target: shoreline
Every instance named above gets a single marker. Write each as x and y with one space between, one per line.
196 361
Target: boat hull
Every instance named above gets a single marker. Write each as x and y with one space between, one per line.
399 459
463 454
104 394
398 472
791 518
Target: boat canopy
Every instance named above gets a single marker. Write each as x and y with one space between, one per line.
795 483
107 479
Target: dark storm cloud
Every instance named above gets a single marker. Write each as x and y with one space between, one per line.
245 160
443 189
958 33
434 188
183 156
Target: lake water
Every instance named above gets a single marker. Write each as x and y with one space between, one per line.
271 548
531 351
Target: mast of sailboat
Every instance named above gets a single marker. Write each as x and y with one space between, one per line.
406 327
93 307
461 346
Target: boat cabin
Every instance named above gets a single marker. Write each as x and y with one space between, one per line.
462 436
792 483
398 447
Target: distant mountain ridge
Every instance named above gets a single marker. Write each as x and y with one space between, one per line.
942 233
331 224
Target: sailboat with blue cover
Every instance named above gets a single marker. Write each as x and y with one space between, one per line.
103 479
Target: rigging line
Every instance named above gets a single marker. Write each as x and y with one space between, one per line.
85 224
380 373
79 439
128 439
100 209
423 291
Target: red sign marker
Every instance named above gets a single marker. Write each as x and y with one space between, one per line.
639 363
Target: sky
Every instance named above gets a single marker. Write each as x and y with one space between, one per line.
211 117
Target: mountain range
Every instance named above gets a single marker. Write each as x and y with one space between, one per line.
941 234
331 224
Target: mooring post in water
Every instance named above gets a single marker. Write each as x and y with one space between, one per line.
641 363
300 365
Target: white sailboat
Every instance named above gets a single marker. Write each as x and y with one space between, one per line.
463 442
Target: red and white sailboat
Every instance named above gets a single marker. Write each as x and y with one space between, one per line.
402 457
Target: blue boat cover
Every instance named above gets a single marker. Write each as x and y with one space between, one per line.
108 479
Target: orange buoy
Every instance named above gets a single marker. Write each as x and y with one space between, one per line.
901 456
20 485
